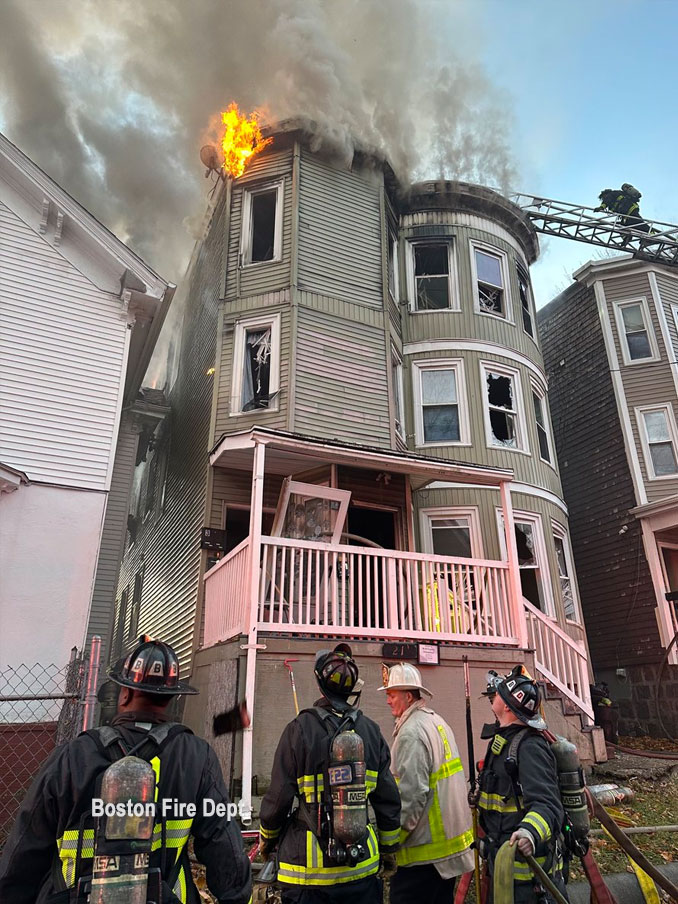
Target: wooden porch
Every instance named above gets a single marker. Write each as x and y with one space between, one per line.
289 587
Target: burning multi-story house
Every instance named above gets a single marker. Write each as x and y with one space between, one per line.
359 447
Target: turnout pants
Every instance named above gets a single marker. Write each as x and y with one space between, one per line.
421 883
362 891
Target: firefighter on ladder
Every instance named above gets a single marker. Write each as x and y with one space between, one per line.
624 201
51 845
435 835
518 796
333 759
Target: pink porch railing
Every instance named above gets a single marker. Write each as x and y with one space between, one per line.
560 659
321 588
227 596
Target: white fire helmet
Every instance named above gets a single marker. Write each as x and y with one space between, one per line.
403 677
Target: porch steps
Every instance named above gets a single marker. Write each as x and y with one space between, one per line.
564 718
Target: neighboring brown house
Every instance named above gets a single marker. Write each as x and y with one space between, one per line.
610 343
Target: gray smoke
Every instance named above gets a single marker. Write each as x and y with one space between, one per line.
113 99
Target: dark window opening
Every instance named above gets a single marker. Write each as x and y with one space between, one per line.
501 410
530 580
238 526
257 370
392 265
451 537
524 292
263 225
432 277
539 416
490 283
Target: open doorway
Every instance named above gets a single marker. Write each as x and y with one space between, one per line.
375 525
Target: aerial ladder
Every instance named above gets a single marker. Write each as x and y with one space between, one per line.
606 229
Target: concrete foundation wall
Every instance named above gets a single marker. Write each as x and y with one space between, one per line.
215 674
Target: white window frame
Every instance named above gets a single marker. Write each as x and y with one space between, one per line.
471 512
393 250
674 314
535 520
540 392
560 532
522 445
453 284
457 365
241 329
399 396
642 410
530 303
641 301
246 232
505 272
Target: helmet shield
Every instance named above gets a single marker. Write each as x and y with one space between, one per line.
153 668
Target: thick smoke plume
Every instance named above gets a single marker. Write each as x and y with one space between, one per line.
114 99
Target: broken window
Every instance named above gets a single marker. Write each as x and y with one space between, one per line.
542 432
440 406
566 588
528 562
660 443
261 224
432 276
503 413
490 283
257 370
635 330
524 292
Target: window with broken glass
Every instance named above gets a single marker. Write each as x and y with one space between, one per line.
398 403
257 370
531 580
432 276
440 406
636 332
393 266
566 588
542 430
491 289
660 443
502 410
525 303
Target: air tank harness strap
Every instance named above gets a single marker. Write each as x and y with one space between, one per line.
504 866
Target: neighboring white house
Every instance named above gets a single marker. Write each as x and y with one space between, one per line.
79 316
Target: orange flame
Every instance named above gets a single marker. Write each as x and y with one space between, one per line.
241 141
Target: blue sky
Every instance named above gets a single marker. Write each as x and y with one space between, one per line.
593 90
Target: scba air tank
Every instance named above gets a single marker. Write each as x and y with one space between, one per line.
347 781
571 781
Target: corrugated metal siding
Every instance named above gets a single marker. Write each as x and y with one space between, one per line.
467 322
62 353
644 384
270 276
277 417
527 468
614 580
112 541
340 228
341 389
169 548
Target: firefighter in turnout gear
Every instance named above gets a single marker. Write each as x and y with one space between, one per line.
624 201
50 849
333 759
435 834
518 795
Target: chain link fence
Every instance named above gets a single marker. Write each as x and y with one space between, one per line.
41 706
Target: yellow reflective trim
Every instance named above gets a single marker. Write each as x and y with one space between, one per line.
155 766
439 846
496 802
498 744
389 837
446 743
445 771
268 833
537 821
315 874
522 872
